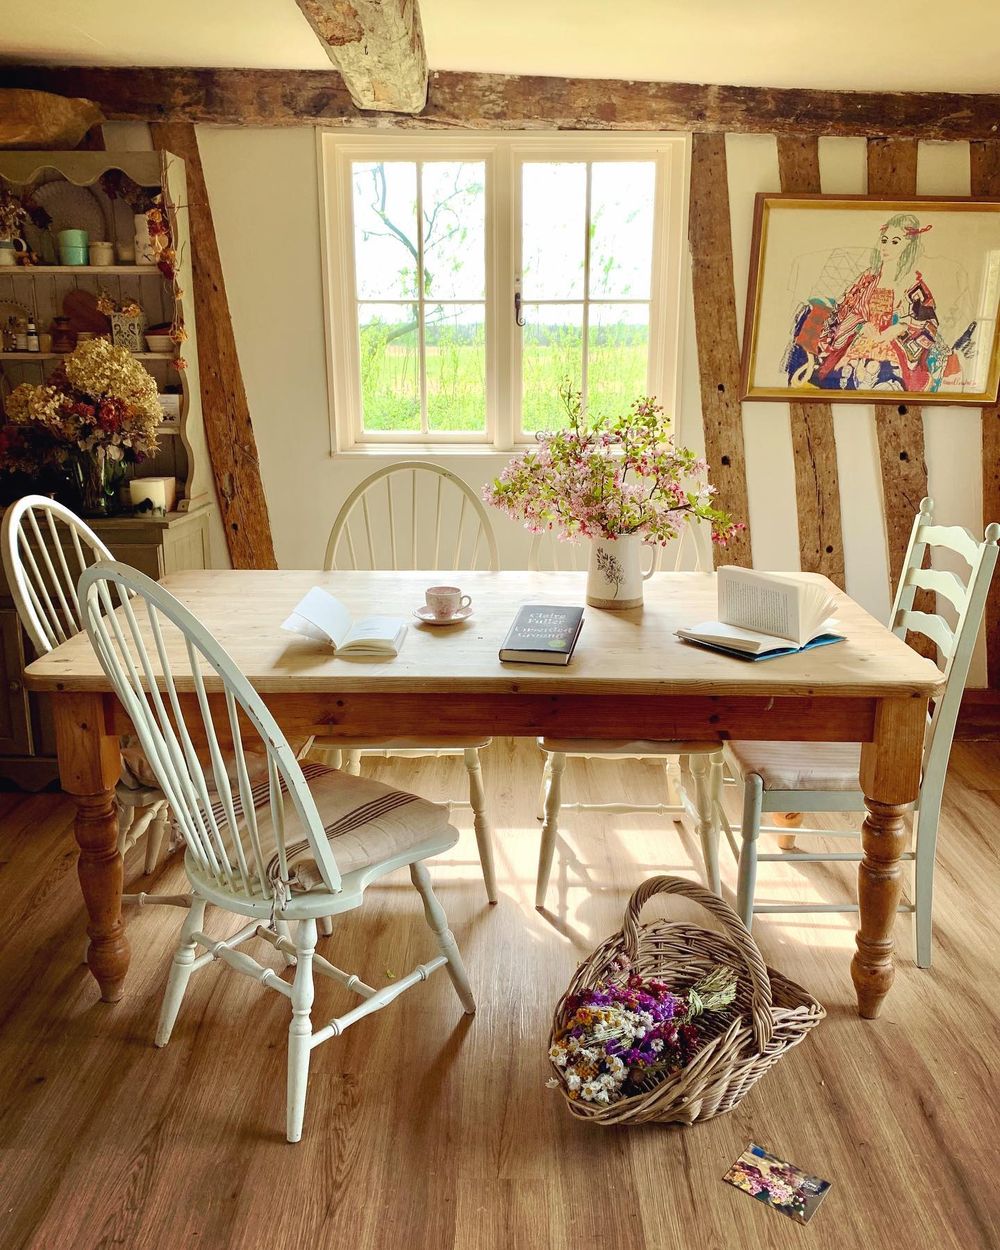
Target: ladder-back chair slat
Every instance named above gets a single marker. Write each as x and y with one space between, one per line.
954 538
932 626
942 582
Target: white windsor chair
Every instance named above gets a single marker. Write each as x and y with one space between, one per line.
701 760
301 845
45 548
431 520
823 777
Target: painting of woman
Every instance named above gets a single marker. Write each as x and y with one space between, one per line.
883 332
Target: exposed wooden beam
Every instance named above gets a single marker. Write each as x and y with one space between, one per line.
985 161
892 171
817 480
378 46
226 413
718 338
272 97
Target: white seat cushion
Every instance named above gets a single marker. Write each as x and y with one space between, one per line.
799 765
365 822
426 742
638 746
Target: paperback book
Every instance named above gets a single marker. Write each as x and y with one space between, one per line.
542 634
780 1185
322 617
765 615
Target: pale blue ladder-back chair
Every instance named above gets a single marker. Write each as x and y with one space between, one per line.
299 846
823 777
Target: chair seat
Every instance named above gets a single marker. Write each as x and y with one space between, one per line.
426 742
365 822
637 746
799 765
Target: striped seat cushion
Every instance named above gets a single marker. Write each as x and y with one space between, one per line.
799 765
365 822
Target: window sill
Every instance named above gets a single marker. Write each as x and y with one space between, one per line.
424 451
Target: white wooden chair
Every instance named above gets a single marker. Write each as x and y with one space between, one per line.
701 761
45 549
299 846
417 515
792 777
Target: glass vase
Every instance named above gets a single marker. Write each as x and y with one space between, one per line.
98 478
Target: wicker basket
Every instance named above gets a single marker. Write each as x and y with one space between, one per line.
769 1015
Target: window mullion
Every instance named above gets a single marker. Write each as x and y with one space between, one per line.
585 319
421 310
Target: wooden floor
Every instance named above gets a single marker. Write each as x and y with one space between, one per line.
433 1130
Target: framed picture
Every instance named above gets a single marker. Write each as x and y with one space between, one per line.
859 299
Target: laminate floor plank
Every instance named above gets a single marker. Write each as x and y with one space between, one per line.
435 1130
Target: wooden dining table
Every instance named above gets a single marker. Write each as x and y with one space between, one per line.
630 678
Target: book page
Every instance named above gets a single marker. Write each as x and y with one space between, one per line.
318 615
377 632
764 603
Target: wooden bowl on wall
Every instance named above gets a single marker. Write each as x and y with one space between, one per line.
39 119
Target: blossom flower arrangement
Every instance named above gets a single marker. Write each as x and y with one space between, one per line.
99 410
609 478
620 1038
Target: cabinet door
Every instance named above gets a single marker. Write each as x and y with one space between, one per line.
15 722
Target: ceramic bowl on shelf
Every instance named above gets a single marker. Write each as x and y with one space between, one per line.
159 343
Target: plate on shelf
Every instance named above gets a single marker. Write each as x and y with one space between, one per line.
72 208
11 308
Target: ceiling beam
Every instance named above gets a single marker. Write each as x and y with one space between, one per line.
378 46
271 97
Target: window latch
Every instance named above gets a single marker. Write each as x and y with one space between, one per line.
518 317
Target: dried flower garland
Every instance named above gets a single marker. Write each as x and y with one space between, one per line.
618 1038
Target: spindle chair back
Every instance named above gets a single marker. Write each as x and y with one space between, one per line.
249 839
412 515
45 548
952 626
417 515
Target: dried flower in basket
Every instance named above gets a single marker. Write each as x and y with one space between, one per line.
607 477
126 307
620 1038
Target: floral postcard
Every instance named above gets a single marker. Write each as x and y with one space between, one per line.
778 1184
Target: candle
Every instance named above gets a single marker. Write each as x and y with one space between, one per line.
160 492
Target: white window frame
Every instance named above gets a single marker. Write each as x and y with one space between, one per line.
504 155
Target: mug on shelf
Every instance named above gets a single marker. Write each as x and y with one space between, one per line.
9 249
73 247
102 253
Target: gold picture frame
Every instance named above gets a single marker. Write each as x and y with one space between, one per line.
854 299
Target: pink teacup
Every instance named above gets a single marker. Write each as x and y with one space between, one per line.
446 601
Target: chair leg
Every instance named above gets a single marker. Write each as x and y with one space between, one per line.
552 803
753 797
352 763
544 787
707 773
300 1028
788 820
156 835
180 971
325 925
484 835
438 922
925 844
282 929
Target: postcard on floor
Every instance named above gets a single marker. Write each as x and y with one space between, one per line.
778 1184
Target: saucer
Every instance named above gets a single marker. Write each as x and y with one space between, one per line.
427 616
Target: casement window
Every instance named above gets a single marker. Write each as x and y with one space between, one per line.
466 276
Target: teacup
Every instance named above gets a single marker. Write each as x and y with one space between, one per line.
446 601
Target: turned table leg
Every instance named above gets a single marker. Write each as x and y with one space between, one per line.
89 767
890 779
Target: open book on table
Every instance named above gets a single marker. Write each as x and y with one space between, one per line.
318 615
764 615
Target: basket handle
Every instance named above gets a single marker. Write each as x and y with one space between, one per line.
760 1002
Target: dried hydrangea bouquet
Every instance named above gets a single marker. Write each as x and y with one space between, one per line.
619 482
